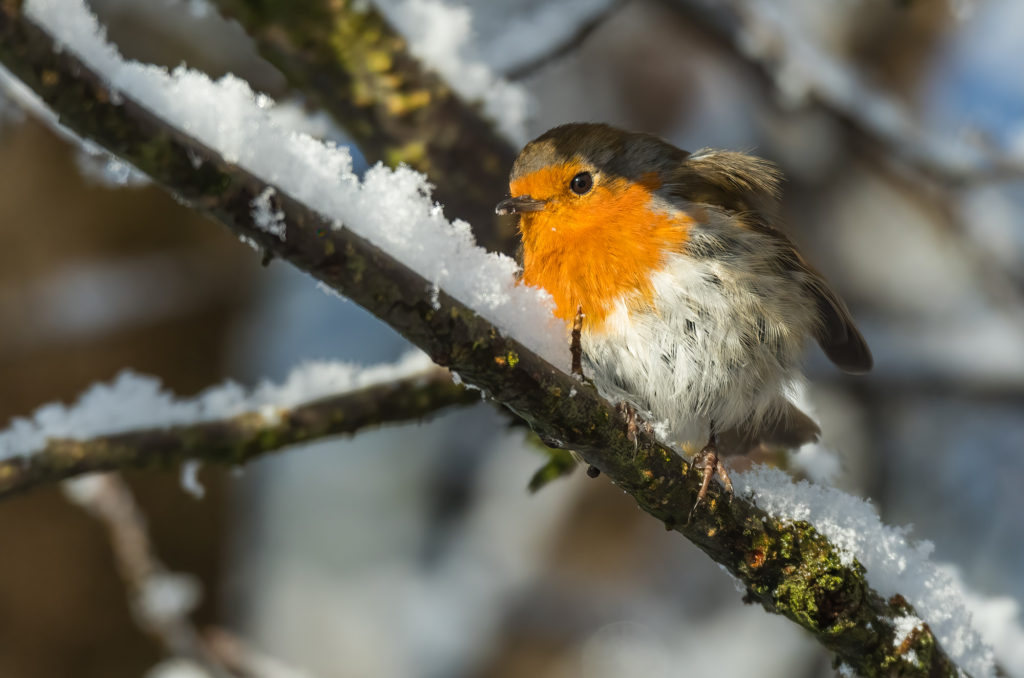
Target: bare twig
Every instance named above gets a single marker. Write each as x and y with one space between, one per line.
787 567
241 438
244 660
567 46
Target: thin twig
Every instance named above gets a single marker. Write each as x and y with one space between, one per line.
570 44
244 660
160 600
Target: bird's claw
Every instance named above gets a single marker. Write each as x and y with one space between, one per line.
634 424
709 462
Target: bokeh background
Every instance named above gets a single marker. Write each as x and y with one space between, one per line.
417 550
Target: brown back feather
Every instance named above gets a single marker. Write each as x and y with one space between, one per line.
749 186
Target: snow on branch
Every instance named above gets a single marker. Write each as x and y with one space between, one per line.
134 423
385 92
803 71
384 245
439 34
162 601
229 128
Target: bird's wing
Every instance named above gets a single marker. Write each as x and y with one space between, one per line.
734 181
747 187
837 334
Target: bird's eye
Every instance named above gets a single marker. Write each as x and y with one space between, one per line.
582 183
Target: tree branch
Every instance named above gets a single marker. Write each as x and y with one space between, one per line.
353 63
239 439
772 44
788 567
566 46
162 601
925 165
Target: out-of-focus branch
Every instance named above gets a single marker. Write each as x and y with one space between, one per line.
241 438
244 660
787 567
346 56
798 68
162 601
567 46
926 165
1001 283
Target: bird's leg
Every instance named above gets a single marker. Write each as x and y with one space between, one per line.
628 413
634 424
708 460
575 345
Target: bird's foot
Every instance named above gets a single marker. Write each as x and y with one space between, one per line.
634 424
709 462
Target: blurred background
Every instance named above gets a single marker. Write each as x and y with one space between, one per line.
417 550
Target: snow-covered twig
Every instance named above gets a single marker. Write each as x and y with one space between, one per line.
787 566
802 71
348 58
161 600
133 424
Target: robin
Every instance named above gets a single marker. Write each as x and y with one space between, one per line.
690 307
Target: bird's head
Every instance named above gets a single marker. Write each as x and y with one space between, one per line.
583 175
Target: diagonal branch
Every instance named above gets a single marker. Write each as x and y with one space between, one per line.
161 600
568 45
241 438
347 57
788 567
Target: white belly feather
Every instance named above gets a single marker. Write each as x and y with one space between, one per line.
722 344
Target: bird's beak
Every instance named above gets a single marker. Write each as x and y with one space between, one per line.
520 203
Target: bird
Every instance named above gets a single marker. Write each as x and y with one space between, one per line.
690 306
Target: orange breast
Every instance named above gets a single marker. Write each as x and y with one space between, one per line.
590 250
